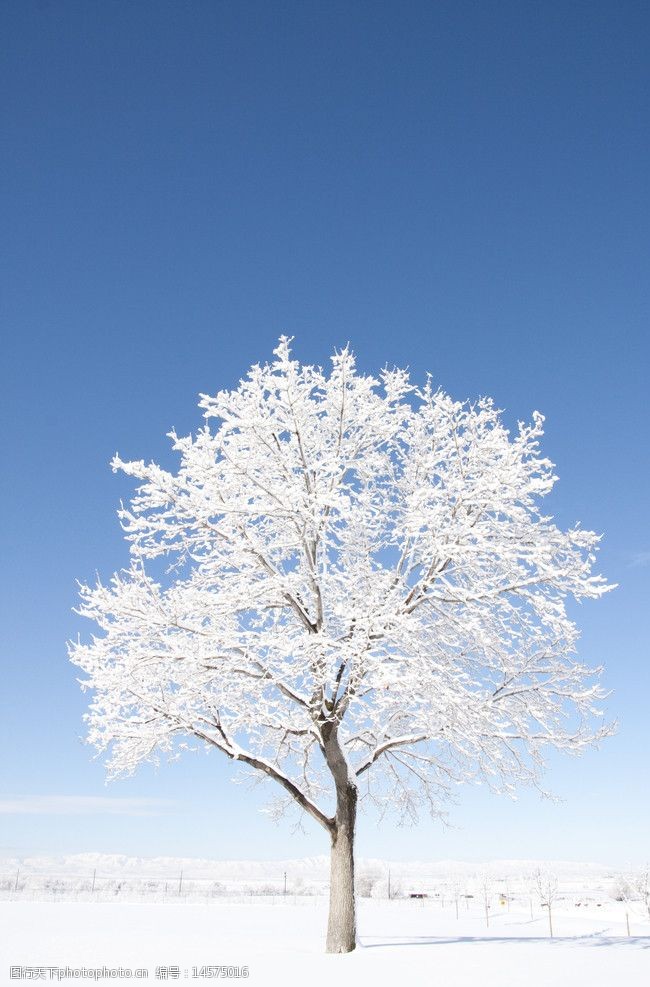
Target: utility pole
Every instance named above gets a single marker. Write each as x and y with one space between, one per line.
285 882
389 883
92 890
180 882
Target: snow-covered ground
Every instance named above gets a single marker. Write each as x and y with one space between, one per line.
282 943
281 940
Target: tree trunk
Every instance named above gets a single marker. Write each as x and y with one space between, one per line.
341 925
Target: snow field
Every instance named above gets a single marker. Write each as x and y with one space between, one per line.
283 943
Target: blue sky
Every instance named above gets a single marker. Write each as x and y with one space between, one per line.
456 187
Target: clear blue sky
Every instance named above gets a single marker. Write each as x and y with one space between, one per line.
458 187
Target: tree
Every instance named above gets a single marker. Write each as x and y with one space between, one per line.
362 600
634 890
640 886
486 889
368 880
546 886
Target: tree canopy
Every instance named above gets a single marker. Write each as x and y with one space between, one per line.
353 549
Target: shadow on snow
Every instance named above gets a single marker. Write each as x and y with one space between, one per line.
594 939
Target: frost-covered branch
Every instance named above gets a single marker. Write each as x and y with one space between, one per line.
347 578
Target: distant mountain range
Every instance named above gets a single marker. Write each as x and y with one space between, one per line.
308 868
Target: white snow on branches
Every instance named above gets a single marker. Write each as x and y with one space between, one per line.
349 550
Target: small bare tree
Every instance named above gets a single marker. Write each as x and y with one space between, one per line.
486 891
363 600
640 885
455 892
546 886
634 891
367 880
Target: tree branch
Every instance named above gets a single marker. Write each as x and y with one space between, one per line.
387 746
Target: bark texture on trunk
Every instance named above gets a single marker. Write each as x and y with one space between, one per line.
341 924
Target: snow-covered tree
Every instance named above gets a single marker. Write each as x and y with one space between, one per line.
634 890
360 599
547 887
368 880
640 887
485 886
